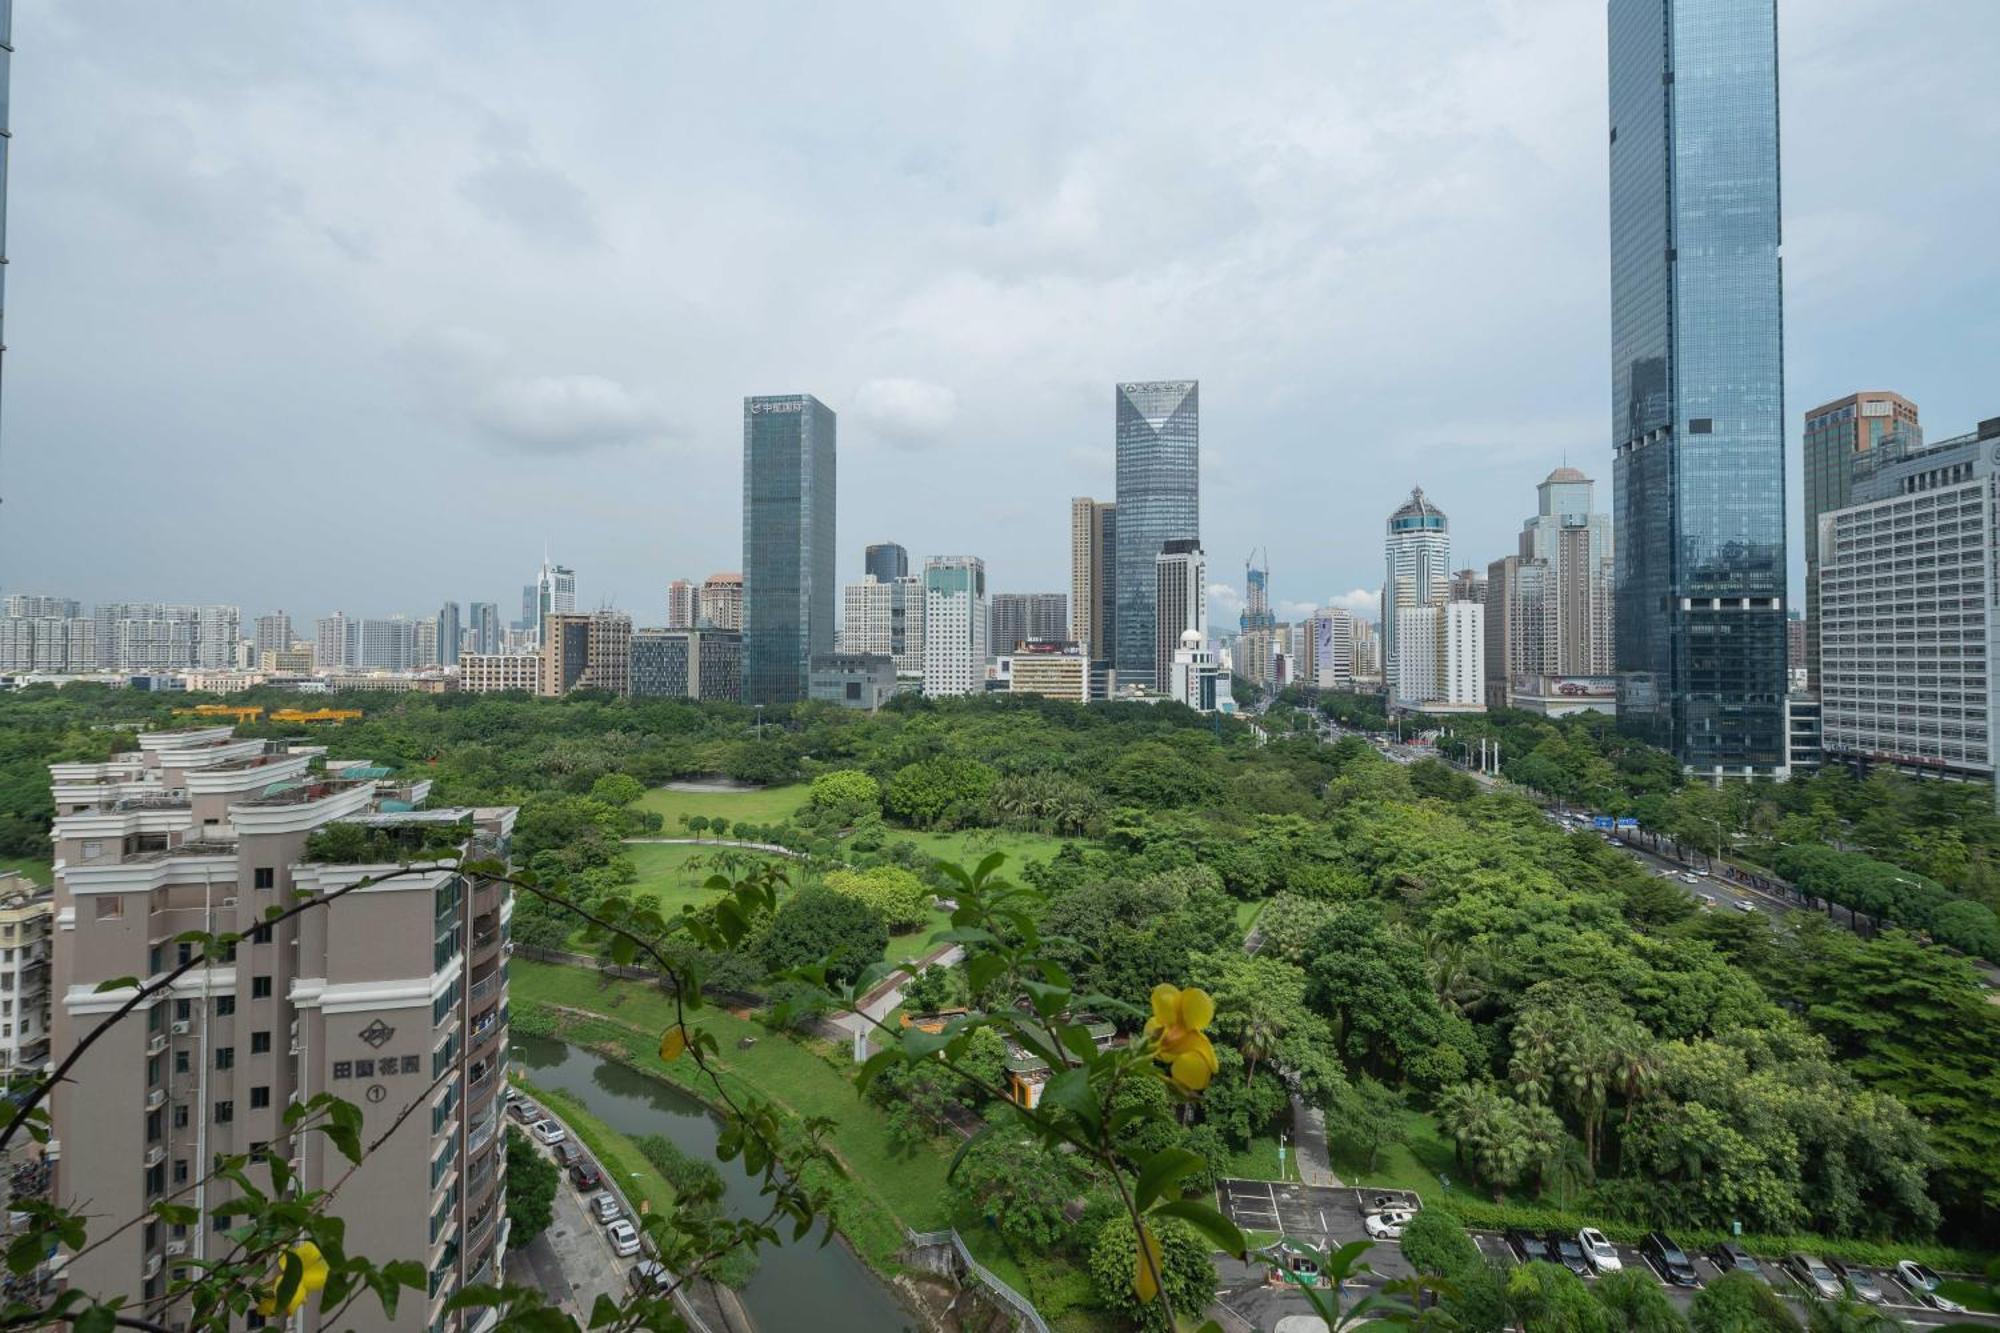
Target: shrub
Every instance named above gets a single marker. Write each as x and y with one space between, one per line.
896 895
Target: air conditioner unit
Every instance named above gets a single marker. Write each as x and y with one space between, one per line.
181 1027
176 1248
155 1155
155 1097
152 1265
157 1044
228 903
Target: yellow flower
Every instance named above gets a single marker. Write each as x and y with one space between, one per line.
1176 1025
1143 1282
312 1277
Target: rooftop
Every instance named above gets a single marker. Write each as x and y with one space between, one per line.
299 794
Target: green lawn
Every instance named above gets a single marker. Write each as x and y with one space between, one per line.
885 1189
762 805
970 846
665 873
33 867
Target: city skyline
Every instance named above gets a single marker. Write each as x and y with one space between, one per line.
1012 421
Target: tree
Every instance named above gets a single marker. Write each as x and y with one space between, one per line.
939 793
1740 1303
1018 1185
844 796
1371 1118
617 790
898 897
1637 1303
1548 1299
1187 1277
815 925
1436 1244
531 1190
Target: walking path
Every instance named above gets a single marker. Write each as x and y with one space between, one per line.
1309 1145
771 847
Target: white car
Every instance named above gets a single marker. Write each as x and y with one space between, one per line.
1745 905
624 1237
1389 1225
548 1133
1601 1253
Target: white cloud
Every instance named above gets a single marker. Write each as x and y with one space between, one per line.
561 414
1361 601
912 414
1225 602
1295 610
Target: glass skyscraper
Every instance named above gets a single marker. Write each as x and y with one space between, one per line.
788 516
1697 373
887 561
1159 501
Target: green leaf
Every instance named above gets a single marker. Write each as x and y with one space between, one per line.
1210 1223
476 1297
1049 1000
118 983
96 1319
604 1311
1070 1090
1161 1170
623 950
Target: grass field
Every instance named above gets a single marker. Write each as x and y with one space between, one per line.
969 847
885 1189
664 873
33 867
762 805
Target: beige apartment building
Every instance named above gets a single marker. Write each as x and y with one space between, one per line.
26 909
392 996
498 673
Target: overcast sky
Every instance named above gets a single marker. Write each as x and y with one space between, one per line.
355 306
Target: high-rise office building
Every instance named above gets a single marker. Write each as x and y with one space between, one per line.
1159 501
1180 601
1416 573
530 617
1837 435
484 618
1549 607
788 543
683 604
887 562
1697 367
448 631
885 619
687 664
954 624
1333 637
393 996
1026 617
555 592
720 605
1093 584
1910 645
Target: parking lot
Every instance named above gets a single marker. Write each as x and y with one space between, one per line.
1328 1217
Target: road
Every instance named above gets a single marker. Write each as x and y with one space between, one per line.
1327 1218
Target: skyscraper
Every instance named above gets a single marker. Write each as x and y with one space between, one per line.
683 604
788 543
1416 572
1697 372
1093 557
887 562
1180 600
1159 501
884 620
484 618
555 592
954 624
447 634
273 633
1026 617
1837 435
720 605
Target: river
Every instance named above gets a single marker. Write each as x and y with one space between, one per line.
801 1285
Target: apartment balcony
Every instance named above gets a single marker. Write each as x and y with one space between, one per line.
483 986
484 1029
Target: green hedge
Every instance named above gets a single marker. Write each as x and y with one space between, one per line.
1483 1215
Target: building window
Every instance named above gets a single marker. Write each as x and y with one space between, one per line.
183 1010
225 1057
260 1043
110 907
181 1065
180 1116
260 1097
260 988
264 877
184 953
225 1005
225 1113
180 1171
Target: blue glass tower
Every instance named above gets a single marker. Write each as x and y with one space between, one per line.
788 514
1697 370
1159 501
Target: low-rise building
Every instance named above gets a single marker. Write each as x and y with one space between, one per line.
1054 669
499 673
852 680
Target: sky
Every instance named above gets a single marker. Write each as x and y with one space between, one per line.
363 306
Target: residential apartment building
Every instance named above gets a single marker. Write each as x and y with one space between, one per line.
721 603
1022 617
500 673
1837 434
1093 584
683 604
271 633
1909 635
27 911
392 994
587 652
1441 657
954 625
885 619
1332 630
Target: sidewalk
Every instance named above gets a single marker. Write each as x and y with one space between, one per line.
1315 1163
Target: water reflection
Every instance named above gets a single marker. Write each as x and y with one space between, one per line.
797 1286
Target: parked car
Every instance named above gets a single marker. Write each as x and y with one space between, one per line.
650 1276
1389 1225
1529 1245
1671 1262
1733 1258
1568 1253
525 1111
1383 1203
585 1176
1598 1252
606 1206
624 1237
567 1154
1744 905
548 1133
1814 1276
1923 1284
1859 1281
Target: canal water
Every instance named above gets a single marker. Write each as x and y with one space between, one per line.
798 1285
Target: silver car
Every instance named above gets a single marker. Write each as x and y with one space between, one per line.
605 1204
1814 1276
